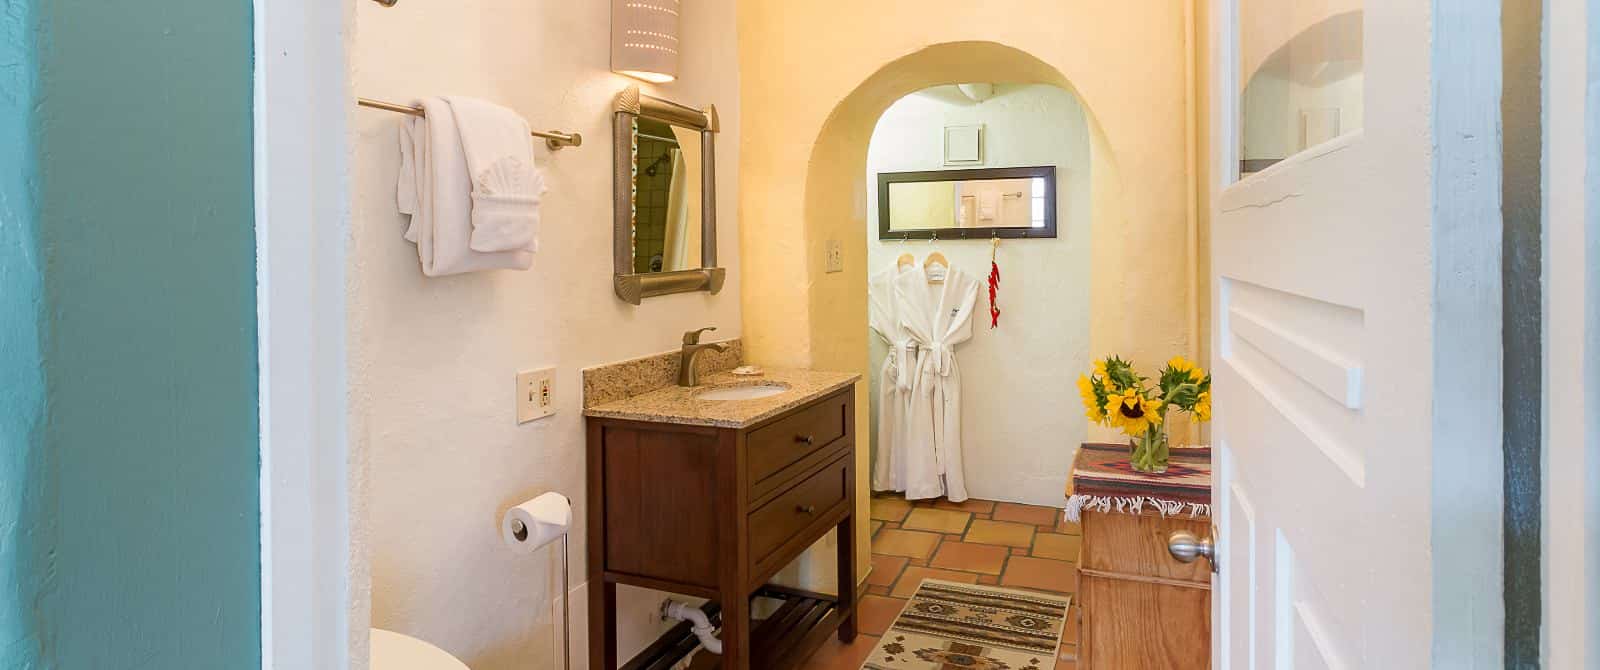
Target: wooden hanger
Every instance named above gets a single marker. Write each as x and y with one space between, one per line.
905 260
933 259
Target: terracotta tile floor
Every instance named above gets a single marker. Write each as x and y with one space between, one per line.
976 541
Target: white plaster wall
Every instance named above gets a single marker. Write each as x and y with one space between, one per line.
1021 418
1571 495
432 361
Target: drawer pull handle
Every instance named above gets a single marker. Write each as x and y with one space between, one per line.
806 509
805 439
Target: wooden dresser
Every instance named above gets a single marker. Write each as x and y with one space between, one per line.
714 511
1142 608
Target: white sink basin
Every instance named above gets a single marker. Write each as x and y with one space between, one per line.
742 392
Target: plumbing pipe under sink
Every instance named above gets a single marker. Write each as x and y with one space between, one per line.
700 624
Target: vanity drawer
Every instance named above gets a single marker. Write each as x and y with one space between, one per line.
773 447
780 520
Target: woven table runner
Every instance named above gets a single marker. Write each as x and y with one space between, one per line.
1103 479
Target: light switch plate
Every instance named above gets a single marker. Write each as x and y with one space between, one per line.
835 256
536 394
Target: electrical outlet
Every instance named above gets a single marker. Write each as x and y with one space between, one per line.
835 256
536 394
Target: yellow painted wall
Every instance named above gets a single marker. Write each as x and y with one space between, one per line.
816 75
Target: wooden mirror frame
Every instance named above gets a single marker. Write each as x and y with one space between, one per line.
1047 172
633 287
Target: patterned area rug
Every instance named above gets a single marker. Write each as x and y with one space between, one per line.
950 626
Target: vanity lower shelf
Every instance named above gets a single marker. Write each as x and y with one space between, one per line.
780 641
786 638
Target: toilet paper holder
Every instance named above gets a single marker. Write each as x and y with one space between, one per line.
519 530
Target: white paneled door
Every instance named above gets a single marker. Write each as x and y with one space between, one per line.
1356 322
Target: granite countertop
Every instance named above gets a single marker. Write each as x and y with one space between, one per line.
677 404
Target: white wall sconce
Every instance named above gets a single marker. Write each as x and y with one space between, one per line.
644 39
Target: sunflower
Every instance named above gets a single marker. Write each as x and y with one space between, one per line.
1185 365
1202 407
1091 403
1132 412
1100 369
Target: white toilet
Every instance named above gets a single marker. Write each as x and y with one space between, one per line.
393 651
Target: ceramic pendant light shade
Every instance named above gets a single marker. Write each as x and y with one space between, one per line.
644 39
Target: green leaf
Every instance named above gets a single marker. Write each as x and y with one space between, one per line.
1184 396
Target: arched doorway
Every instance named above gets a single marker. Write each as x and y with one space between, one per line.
1134 310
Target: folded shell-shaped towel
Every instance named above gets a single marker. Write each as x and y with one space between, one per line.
505 206
506 185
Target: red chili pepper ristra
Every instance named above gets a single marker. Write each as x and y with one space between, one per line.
994 291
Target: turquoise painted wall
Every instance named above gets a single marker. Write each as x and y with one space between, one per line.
129 465
23 575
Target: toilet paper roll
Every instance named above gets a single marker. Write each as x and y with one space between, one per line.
536 522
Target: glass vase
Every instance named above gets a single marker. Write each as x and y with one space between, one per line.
1150 450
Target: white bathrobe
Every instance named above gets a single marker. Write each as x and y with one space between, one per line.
938 316
894 379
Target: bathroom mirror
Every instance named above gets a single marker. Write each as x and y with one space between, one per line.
1009 202
664 184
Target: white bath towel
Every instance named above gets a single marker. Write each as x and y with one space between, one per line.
436 190
506 184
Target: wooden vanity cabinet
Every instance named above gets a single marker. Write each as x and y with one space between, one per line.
714 513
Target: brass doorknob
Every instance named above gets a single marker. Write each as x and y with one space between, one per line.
1185 547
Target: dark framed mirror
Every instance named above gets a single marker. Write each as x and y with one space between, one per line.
1012 202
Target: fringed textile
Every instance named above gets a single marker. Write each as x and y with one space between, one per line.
1103 480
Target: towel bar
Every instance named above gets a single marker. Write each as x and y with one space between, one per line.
553 139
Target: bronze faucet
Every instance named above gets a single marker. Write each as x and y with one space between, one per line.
691 348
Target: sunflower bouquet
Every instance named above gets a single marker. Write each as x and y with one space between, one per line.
1116 395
